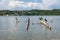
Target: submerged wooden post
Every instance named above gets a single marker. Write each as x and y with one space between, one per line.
45 24
28 23
17 20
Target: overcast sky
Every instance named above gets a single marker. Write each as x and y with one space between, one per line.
29 4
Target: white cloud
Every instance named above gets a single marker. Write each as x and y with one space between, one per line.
19 4
50 2
45 4
24 4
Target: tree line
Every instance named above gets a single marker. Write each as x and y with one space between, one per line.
29 12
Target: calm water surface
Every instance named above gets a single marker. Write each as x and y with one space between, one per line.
10 30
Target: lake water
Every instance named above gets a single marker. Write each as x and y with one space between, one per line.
10 30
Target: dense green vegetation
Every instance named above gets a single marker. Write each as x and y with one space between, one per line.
29 12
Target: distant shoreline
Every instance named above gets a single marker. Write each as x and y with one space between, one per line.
34 12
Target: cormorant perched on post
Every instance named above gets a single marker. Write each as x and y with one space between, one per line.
41 18
45 19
